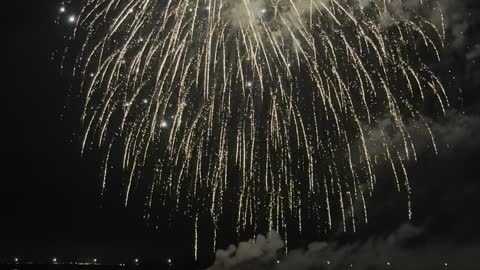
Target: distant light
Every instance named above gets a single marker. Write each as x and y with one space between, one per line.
62 9
92 75
163 124
95 260
169 261
72 19
278 261
263 10
446 264
15 260
136 260
145 101
328 262
388 263
249 84
54 260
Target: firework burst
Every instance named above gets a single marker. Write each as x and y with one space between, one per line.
262 107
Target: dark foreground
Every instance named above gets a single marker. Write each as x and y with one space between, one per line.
83 267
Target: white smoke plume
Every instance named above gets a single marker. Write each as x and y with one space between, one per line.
378 252
261 250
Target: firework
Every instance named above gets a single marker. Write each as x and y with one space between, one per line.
268 108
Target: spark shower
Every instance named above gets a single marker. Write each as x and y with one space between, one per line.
277 111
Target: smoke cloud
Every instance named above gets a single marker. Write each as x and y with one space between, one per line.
393 251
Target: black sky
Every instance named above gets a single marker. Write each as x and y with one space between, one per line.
50 195
50 201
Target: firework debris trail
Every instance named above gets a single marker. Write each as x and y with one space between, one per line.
260 106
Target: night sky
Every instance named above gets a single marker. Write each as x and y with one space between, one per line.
50 203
